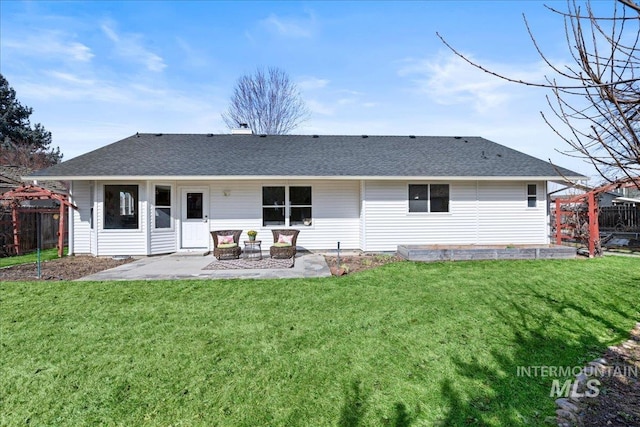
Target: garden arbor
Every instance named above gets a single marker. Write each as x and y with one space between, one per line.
569 222
14 199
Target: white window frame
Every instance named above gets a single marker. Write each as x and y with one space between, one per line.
428 211
532 197
287 206
139 207
170 207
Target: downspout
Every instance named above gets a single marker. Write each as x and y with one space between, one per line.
70 220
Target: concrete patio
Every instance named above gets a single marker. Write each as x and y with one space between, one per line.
191 266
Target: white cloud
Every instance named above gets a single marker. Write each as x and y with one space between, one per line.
312 83
449 80
50 44
291 27
320 108
130 46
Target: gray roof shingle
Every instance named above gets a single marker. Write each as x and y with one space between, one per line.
175 155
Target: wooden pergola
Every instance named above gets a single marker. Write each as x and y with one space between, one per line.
589 199
14 198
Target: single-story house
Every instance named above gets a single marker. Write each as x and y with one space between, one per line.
161 193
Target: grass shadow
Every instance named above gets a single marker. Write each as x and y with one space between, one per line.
354 407
539 339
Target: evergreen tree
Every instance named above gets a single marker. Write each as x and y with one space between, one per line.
20 143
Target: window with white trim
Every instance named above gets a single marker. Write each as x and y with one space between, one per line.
286 205
120 207
428 197
532 195
163 206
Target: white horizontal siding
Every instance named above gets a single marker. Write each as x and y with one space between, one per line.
479 213
81 217
368 215
504 217
163 242
335 212
122 242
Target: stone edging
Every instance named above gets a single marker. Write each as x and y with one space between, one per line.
569 410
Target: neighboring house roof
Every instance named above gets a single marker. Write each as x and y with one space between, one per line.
304 156
626 200
12 177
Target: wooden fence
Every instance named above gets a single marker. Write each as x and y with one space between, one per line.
619 218
28 230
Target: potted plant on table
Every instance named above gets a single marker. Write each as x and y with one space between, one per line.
252 235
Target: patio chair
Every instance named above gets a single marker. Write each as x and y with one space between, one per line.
284 243
226 244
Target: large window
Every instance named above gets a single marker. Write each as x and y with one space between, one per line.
120 207
163 206
286 206
428 197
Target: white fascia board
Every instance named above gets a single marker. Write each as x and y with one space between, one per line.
294 177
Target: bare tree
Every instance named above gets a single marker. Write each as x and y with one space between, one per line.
268 102
596 97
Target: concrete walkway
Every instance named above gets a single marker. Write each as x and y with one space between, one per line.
178 266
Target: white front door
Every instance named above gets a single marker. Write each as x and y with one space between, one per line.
194 218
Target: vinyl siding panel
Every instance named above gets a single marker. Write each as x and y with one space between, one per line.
162 240
335 212
504 217
368 215
479 213
122 242
81 218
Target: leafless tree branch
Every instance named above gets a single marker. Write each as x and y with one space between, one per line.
596 98
268 102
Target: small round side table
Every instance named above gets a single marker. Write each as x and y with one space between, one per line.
253 250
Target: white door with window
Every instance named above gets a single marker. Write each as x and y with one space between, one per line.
194 218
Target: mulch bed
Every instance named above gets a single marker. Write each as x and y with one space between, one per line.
67 268
618 403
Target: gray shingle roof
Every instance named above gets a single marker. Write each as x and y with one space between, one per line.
175 155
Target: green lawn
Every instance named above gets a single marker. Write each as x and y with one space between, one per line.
45 255
407 344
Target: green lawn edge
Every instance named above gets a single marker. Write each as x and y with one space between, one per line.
404 344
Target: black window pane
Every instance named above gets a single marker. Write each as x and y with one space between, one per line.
163 195
272 216
418 198
300 195
531 202
163 217
418 206
439 198
531 190
300 216
194 206
418 192
273 196
120 207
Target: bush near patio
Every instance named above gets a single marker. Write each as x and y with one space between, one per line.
404 344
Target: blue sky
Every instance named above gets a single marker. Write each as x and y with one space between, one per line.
96 72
